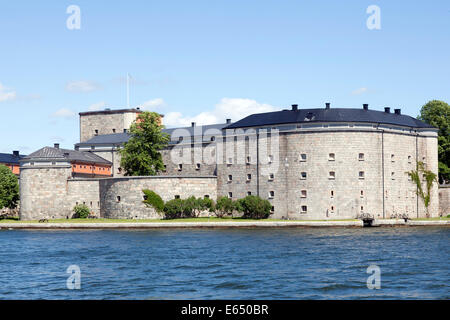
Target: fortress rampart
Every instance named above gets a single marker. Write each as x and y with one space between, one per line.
121 198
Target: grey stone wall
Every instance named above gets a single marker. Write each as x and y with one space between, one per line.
104 123
84 191
383 191
50 193
444 200
121 198
43 192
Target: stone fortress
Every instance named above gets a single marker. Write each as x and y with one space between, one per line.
322 163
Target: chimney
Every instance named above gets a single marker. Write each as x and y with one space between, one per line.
387 110
56 146
398 111
193 124
366 106
228 121
15 153
327 105
294 107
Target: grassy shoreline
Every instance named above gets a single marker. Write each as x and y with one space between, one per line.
213 219
200 220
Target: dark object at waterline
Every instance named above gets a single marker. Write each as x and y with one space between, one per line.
43 221
367 219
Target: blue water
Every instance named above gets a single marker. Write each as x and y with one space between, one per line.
295 263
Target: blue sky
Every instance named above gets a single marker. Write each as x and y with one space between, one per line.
206 61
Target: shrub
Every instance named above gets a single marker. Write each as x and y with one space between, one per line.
207 204
152 199
254 207
81 211
9 188
224 206
173 209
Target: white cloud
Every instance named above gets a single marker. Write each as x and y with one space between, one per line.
152 104
6 93
359 91
63 113
82 86
228 108
97 106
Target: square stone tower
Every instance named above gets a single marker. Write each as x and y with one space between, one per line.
107 121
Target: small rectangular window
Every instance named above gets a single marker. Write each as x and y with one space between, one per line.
331 157
393 175
392 158
361 157
303 176
180 167
304 209
206 196
230 194
272 209
249 160
197 166
332 194
362 208
303 193
332 175
249 193
270 159
271 176
230 177
118 198
249 177
271 194
114 130
409 159
177 196
362 193
230 161
303 157
361 174
332 209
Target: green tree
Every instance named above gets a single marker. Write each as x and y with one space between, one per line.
254 207
9 188
141 154
224 206
437 114
81 211
429 177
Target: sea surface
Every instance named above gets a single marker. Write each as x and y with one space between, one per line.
294 263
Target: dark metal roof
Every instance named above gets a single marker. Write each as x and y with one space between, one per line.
327 115
10 158
48 153
109 111
114 138
121 138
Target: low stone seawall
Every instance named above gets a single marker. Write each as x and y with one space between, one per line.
231 224
122 198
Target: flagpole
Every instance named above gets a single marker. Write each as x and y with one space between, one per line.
128 90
